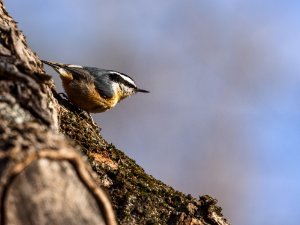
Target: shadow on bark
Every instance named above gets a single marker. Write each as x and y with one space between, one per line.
47 150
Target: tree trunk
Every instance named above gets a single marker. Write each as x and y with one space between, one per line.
46 178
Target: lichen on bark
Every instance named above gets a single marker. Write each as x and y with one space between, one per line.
32 113
138 198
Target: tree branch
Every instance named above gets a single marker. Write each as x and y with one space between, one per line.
44 177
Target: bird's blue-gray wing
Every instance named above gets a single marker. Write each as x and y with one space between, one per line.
99 77
102 81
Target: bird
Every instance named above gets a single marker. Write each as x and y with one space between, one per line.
92 89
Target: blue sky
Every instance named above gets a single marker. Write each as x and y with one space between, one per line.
223 114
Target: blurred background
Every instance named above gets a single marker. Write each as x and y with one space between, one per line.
223 115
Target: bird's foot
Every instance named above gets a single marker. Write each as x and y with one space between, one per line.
63 95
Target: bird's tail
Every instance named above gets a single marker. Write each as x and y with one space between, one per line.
60 68
53 64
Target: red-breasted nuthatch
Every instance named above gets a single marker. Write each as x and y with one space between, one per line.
92 89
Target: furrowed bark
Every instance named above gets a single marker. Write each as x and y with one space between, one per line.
47 150
44 179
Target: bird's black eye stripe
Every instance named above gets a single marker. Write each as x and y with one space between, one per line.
117 78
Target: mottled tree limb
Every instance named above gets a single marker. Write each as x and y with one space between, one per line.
44 178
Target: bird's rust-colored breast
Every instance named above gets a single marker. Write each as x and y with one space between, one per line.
85 96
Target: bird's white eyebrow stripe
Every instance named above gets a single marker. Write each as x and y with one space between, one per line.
128 79
74 66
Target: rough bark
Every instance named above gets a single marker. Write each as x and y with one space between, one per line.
45 179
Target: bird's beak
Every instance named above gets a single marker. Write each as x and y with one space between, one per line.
141 90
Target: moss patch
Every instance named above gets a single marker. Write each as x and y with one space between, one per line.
138 198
